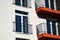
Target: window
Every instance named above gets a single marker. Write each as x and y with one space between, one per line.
25 24
51 27
21 39
18 2
21 26
48 27
47 3
21 22
58 4
24 3
50 4
59 28
18 23
54 27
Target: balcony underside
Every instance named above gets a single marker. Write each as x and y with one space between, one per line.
48 37
47 13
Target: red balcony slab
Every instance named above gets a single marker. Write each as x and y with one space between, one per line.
48 37
47 13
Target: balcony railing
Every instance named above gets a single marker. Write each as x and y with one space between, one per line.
29 28
42 28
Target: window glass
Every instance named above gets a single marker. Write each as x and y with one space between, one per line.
59 28
52 4
24 3
18 23
48 27
18 2
25 24
47 3
58 4
51 28
54 27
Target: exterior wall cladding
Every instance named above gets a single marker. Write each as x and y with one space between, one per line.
19 20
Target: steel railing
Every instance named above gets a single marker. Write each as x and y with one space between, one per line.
42 28
29 28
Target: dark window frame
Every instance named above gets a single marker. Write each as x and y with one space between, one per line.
21 12
21 39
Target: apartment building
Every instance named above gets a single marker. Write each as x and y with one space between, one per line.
29 20
50 11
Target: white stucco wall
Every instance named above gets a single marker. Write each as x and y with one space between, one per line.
7 16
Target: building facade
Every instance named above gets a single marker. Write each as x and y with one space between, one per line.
22 19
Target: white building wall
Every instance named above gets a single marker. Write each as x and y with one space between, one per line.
6 19
7 16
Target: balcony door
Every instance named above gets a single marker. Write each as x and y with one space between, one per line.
51 27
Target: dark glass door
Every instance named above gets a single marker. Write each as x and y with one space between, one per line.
47 3
54 27
52 4
48 27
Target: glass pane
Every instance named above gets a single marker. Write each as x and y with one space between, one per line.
52 4
48 27
18 23
58 4
25 24
59 28
24 3
54 27
47 3
18 2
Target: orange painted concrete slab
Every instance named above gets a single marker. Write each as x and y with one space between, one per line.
48 36
50 13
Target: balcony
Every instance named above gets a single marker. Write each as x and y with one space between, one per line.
42 33
47 13
29 28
